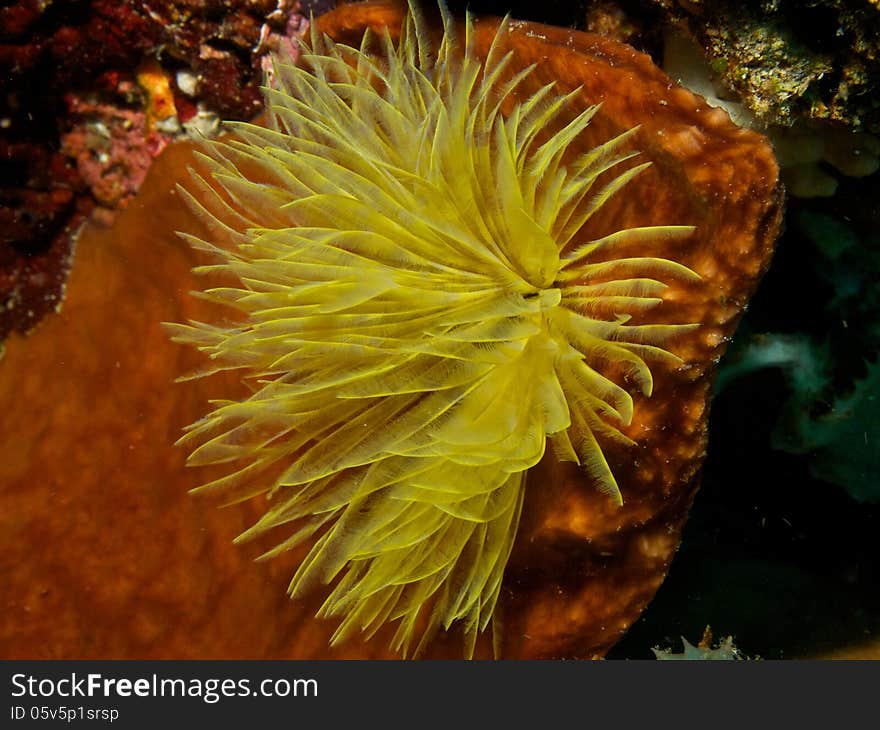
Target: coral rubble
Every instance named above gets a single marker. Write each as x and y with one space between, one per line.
792 61
81 82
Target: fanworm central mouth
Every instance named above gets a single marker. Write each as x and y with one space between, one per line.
421 309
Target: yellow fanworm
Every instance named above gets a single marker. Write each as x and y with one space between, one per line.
420 310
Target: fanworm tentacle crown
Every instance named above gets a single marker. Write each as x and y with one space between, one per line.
421 308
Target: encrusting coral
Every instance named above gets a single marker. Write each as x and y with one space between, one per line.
583 565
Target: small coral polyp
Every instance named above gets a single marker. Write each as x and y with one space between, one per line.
421 310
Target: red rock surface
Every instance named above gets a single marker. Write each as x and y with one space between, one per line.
67 65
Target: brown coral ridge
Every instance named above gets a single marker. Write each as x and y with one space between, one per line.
106 554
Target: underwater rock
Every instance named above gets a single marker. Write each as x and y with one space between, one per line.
792 62
811 153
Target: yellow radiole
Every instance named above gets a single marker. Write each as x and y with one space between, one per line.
420 311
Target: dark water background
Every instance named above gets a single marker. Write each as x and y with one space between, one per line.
786 563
